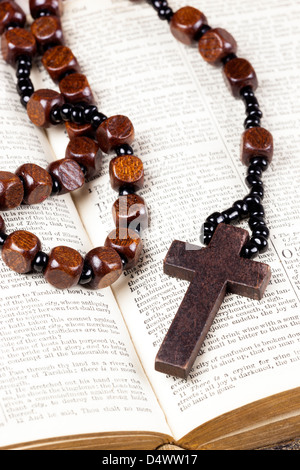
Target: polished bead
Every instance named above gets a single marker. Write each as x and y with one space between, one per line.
11 191
2 224
115 131
251 121
216 218
47 31
257 211
40 262
3 238
186 23
260 161
256 141
251 200
54 7
261 231
238 74
64 267
257 190
124 150
67 173
242 207
85 152
75 88
106 266
231 215
96 119
36 181
86 275
11 14
23 71
255 222
254 170
249 251
128 245
40 105
130 211
126 171
260 242
59 61
216 44
17 42
77 114
253 180
79 130
20 250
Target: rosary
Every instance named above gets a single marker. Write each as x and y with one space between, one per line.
225 264
90 133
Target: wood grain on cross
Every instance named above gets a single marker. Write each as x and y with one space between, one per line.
212 271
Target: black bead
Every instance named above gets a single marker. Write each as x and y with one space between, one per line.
77 114
124 149
97 119
23 60
204 28
24 100
251 200
207 231
23 71
246 93
231 215
257 211
216 218
89 110
258 190
253 180
261 231
254 170
40 262
157 4
55 187
262 162
125 190
66 112
41 13
86 275
242 207
261 243
55 116
249 251
254 112
165 13
251 121
3 238
25 87
255 222
228 58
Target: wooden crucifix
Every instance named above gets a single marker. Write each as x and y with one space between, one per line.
212 271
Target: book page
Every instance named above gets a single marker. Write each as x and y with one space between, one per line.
67 365
188 132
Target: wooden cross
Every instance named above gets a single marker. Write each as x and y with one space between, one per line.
212 271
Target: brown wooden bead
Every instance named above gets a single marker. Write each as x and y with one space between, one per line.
79 130
17 42
216 44
238 74
256 141
64 267
59 61
127 243
115 131
11 191
36 181
19 251
11 14
186 23
55 7
47 31
130 211
126 170
106 266
2 225
75 88
67 173
40 105
85 152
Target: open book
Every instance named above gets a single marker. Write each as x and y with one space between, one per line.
77 366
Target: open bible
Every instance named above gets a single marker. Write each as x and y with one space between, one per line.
77 366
